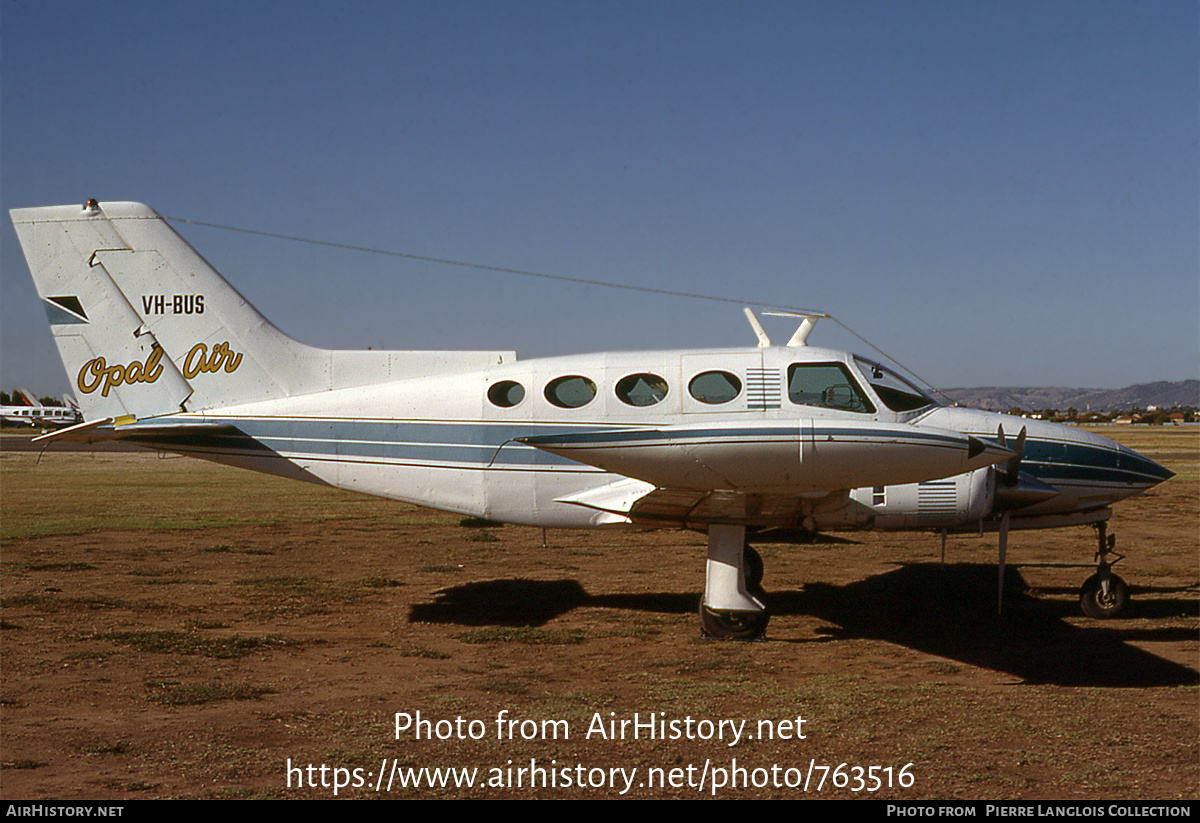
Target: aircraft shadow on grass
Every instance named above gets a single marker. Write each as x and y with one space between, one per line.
947 611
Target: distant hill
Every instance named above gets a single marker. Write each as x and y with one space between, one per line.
1162 394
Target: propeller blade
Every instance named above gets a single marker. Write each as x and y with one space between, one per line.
1013 466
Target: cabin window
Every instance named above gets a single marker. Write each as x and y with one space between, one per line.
506 394
826 385
715 387
641 389
570 392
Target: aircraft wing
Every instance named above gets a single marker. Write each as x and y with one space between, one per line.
758 473
776 457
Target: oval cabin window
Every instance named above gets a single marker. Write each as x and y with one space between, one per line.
506 394
570 392
641 389
715 387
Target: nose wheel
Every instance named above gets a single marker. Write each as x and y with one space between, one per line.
1102 598
1104 594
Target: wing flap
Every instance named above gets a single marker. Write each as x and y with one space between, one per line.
614 499
696 509
634 501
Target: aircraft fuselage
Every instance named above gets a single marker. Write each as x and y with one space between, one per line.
517 452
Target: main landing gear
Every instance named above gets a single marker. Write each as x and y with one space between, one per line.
1104 594
733 608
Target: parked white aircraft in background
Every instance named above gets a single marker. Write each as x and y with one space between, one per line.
166 354
35 415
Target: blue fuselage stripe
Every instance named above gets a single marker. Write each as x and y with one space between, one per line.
481 445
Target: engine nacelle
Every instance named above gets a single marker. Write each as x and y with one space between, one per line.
949 502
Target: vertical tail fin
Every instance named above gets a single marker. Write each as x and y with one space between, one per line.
146 327
143 324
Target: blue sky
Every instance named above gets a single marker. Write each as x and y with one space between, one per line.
996 193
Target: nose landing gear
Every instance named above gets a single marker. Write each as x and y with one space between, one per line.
1104 594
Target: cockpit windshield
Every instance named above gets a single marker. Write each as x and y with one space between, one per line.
897 394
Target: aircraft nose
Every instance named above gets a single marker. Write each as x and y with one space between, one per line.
1137 470
1096 466
1152 469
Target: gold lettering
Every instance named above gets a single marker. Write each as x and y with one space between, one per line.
115 377
153 367
221 352
97 374
96 367
200 360
190 370
214 359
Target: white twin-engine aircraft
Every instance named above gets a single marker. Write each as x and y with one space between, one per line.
35 415
165 354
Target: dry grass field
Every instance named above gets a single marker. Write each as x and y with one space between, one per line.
175 629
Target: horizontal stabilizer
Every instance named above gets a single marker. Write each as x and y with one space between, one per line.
80 433
146 433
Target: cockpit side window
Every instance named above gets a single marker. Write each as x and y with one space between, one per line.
896 393
826 385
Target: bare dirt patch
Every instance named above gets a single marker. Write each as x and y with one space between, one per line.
150 662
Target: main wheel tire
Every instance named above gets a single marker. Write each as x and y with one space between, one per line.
1098 605
733 625
752 564
753 568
